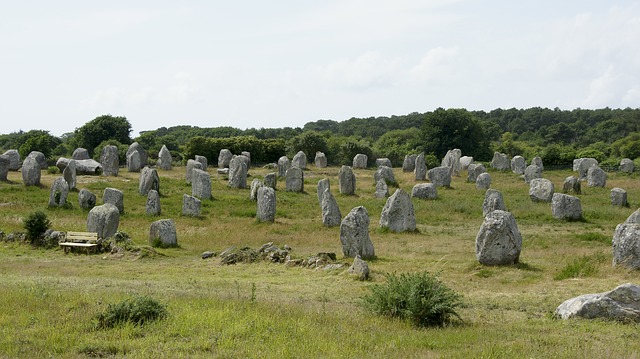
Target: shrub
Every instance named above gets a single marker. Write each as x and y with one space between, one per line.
36 223
53 170
420 298
138 310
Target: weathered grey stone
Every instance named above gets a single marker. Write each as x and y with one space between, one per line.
347 181
382 189
359 269
499 241
201 184
474 170
115 197
493 200
596 177
383 162
266 211
191 206
103 220
571 184
149 180
564 206
537 161
255 185
385 173
320 160
80 154
531 172
134 163
465 161
452 160
283 165
191 165
70 174
354 234
331 215
271 180
163 233
360 161
634 217
323 185
14 159
223 171
109 160
165 161
619 197
39 156
86 199
424 191
420 168
620 304
4 167
398 214
88 167
541 190
627 165
500 162
142 157
440 176
582 165
299 160
626 245
483 181
238 172
152 207
518 165
59 192
247 154
247 160
224 158
31 172
294 180
409 163
203 162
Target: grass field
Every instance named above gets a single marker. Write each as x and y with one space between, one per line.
48 299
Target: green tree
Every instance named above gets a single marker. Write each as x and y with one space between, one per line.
308 142
38 140
102 128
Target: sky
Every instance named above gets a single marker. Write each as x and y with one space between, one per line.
284 63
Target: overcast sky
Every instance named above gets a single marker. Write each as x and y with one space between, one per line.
285 63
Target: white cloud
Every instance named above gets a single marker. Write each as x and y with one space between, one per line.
438 65
369 70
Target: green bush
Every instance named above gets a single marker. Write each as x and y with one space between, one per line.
138 310
53 170
420 298
36 223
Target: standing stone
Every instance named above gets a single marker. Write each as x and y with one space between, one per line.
634 217
596 177
4 167
59 193
383 162
531 172
499 241
103 220
465 161
582 165
382 189
483 181
360 161
620 304
201 184
347 181
163 233
385 173
571 184
14 159
191 165
80 154
203 161
493 200
247 154
164 158
440 176
331 215
299 160
323 185
152 207
39 156
266 204
537 161
626 245
424 191
420 168
191 206
398 214
224 158
238 172
271 180
142 156
149 180
294 180
320 160
409 163
541 190
109 160
359 269
500 161
134 162
115 197
31 172
619 197
452 160
626 165
354 234
255 185
86 199
283 166
475 169
518 165
564 206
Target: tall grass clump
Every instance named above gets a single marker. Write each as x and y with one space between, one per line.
36 223
585 266
420 298
138 310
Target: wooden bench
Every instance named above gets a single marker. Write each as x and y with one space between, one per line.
86 240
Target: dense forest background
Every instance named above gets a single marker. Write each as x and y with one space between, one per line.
558 136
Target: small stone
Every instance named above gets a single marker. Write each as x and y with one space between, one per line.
571 184
163 233
86 199
493 200
627 165
255 184
564 206
360 161
80 154
283 165
323 185
271 180
165 161
385 173
398 214
59 192
191 165
541 190
420 168
424 191
474 170
409 163
152 207
203 161
115 197
331 215
619 197
621 304
299 160
596 177
201 184
518 165
103 220
347 181
191 206
320 160
149 180
354 234
383 162
531 172
500 162
224 158
294 180
266 204
440 176
31 172
359 269
382 190
109 160
483 181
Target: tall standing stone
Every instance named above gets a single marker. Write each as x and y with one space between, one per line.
331 215
59 193
69 174
294 180
474 170
149 180
483 181
203 161
531 172
14 159
103 220
499 241
201 184
571 184
266 211
86 199
409 163
191 165
134 162
626 245
271 180
80 154
360 161
347 181
299 160
500 161
31 172
564 206
283 165
238 172
626 165
163 233
320 160
323 185
191 206
115 197
109 160
619 197
541 190
398 214
596 177
255 185
440 176
382 189
383 162
385 173
152 207
420 168
518 165
4 167
493 200
142 157
452 160
224 158
164 159
39 156
354 234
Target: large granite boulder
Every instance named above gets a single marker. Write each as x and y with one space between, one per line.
103 220
564 206
424 191
224 158
31 172
255 185
163 233
493 200
86 199
483 181
39 156
541 190
626 245
201 184
80 154
360 161
621 304
149 180
165 161
152 207
383 162
571 184
299 160
115 197
283 165
4 167
354 234
440 176
347 181
109 160
582 165
331 215
382 189
238 171
266 211
398 214
409 163
14 159
452 160
191 165
59 192
191 206
518 165
596 177
294 180
500 162
619 197
531 172
627 165
420 168
323 185
385 173
320 160
499 241
203 161
89 167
